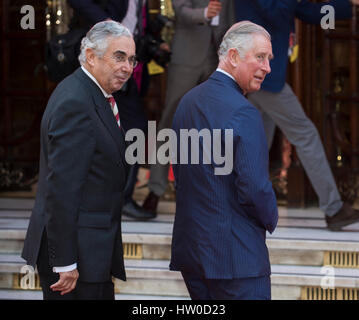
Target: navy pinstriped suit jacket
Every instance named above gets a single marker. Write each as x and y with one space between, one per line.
221 220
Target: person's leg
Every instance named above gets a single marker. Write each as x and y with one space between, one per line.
240 289
196 287
180 80
287 112
131 182
130 207
95 291
268 123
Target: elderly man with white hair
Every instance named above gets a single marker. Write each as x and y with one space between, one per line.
219 234
74 235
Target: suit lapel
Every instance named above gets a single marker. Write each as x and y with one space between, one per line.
105 113
103 110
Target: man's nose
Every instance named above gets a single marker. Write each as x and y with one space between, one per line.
266 66
127 66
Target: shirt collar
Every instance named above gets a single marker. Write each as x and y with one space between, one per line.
229 75
226 73
94 80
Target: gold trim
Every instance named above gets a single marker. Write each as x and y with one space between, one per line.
341 259
16 282
132 251
318 293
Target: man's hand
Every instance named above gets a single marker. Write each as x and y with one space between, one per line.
67 282
164 46
214 8
356 2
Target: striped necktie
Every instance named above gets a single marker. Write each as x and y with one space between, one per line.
112 102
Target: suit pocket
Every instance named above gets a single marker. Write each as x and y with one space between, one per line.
100 220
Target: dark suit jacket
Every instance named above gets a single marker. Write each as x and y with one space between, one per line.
82 177
221 220
89 12
277 17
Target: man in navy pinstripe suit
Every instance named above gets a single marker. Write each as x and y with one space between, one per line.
221 220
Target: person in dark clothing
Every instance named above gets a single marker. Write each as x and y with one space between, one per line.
74 235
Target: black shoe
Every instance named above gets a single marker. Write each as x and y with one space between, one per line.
345 216
133 210
151 202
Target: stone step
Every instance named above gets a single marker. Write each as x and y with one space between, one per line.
291 256
153 278
278 293
159 231
18 209
298 248
23 207
9 206
159 269
293 244
37 295
8 294
164 206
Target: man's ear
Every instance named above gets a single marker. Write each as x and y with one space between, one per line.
90 57
233 57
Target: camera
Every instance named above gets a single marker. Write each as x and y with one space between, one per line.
148 46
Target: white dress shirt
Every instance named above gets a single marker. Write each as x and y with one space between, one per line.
130 19
214 20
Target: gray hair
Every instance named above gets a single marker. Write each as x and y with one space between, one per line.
240 37
97 37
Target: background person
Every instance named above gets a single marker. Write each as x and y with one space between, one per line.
279 105
199 28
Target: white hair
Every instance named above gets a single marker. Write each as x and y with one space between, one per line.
97 37
240 37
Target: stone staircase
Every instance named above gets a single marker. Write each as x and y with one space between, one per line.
306 258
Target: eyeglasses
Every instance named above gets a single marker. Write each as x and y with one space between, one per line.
121 57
